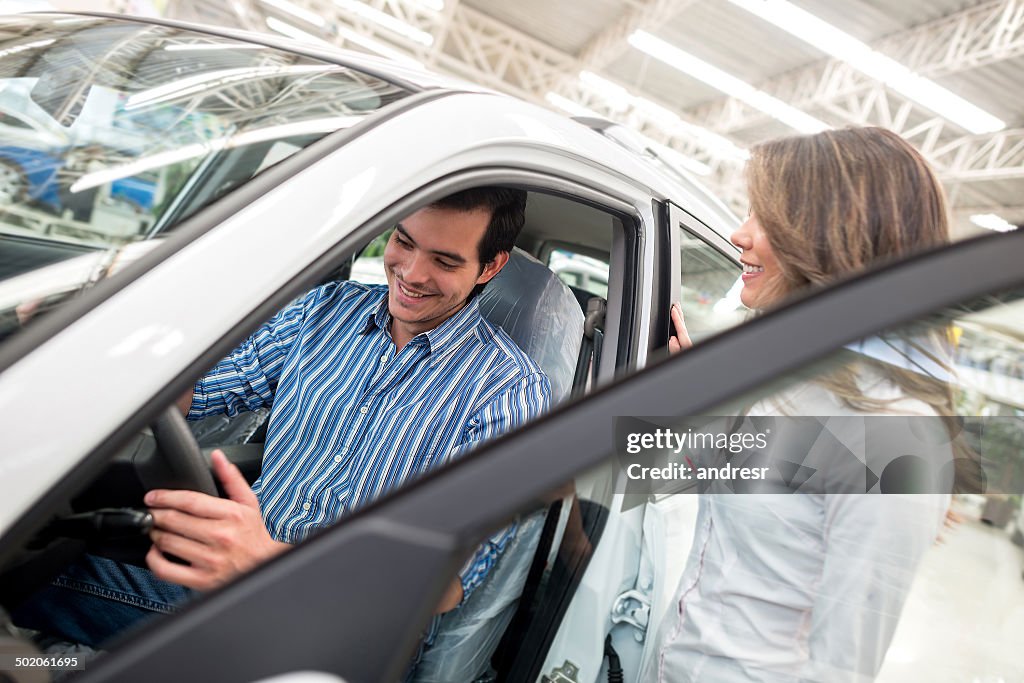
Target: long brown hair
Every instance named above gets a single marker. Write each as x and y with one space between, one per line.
839 202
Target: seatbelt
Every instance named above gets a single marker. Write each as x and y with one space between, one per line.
526 609
590 348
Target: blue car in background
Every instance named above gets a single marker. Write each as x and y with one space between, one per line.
35 175
35 153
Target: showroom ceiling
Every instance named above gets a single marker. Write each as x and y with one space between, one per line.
537 49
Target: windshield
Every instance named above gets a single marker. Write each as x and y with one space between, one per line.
113 132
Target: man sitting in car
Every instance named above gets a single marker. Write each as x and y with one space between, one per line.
368 386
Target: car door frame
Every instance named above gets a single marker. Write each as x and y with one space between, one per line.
626 292
353 599
619 531
508 133
671 219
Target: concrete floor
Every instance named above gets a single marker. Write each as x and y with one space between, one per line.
964 618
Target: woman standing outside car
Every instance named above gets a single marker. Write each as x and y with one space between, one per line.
810 587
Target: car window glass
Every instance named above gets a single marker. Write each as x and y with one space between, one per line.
920 580
111 133
710 287
368 267
580 271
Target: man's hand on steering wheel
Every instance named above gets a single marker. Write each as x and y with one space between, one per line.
220 538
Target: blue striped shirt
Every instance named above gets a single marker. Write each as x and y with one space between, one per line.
353 418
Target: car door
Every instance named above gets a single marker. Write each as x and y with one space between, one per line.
292 227
708 293
354 600
141 338
702 274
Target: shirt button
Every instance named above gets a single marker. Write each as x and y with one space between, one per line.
337 458
384 358
306 506
364 410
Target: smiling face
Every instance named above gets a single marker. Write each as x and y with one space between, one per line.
762 278
432 264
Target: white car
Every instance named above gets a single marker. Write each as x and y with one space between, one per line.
275 166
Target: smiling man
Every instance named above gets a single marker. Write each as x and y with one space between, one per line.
368 387
433 274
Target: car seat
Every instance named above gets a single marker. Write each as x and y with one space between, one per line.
542 316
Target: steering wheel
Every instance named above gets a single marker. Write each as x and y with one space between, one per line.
169 459
178 462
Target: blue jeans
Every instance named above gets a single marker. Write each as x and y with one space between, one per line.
96 599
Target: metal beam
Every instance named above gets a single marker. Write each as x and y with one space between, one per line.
475 46
488 51
610 43
980 158
979 36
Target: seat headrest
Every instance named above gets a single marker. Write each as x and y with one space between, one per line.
540 314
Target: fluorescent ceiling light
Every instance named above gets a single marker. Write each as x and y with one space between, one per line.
727 83
387 21
990 221
665 118
832 41
297 12
27 46
716 142
287 29
192 85
192 151
349 35
570 107
376 47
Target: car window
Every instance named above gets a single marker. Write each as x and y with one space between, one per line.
368 266
710 285
111 133
680 535
580 271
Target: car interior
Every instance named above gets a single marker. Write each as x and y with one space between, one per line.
560 326
467 642
539 570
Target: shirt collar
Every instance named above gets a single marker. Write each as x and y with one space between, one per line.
447 336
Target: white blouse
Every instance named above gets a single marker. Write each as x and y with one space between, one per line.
806 586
